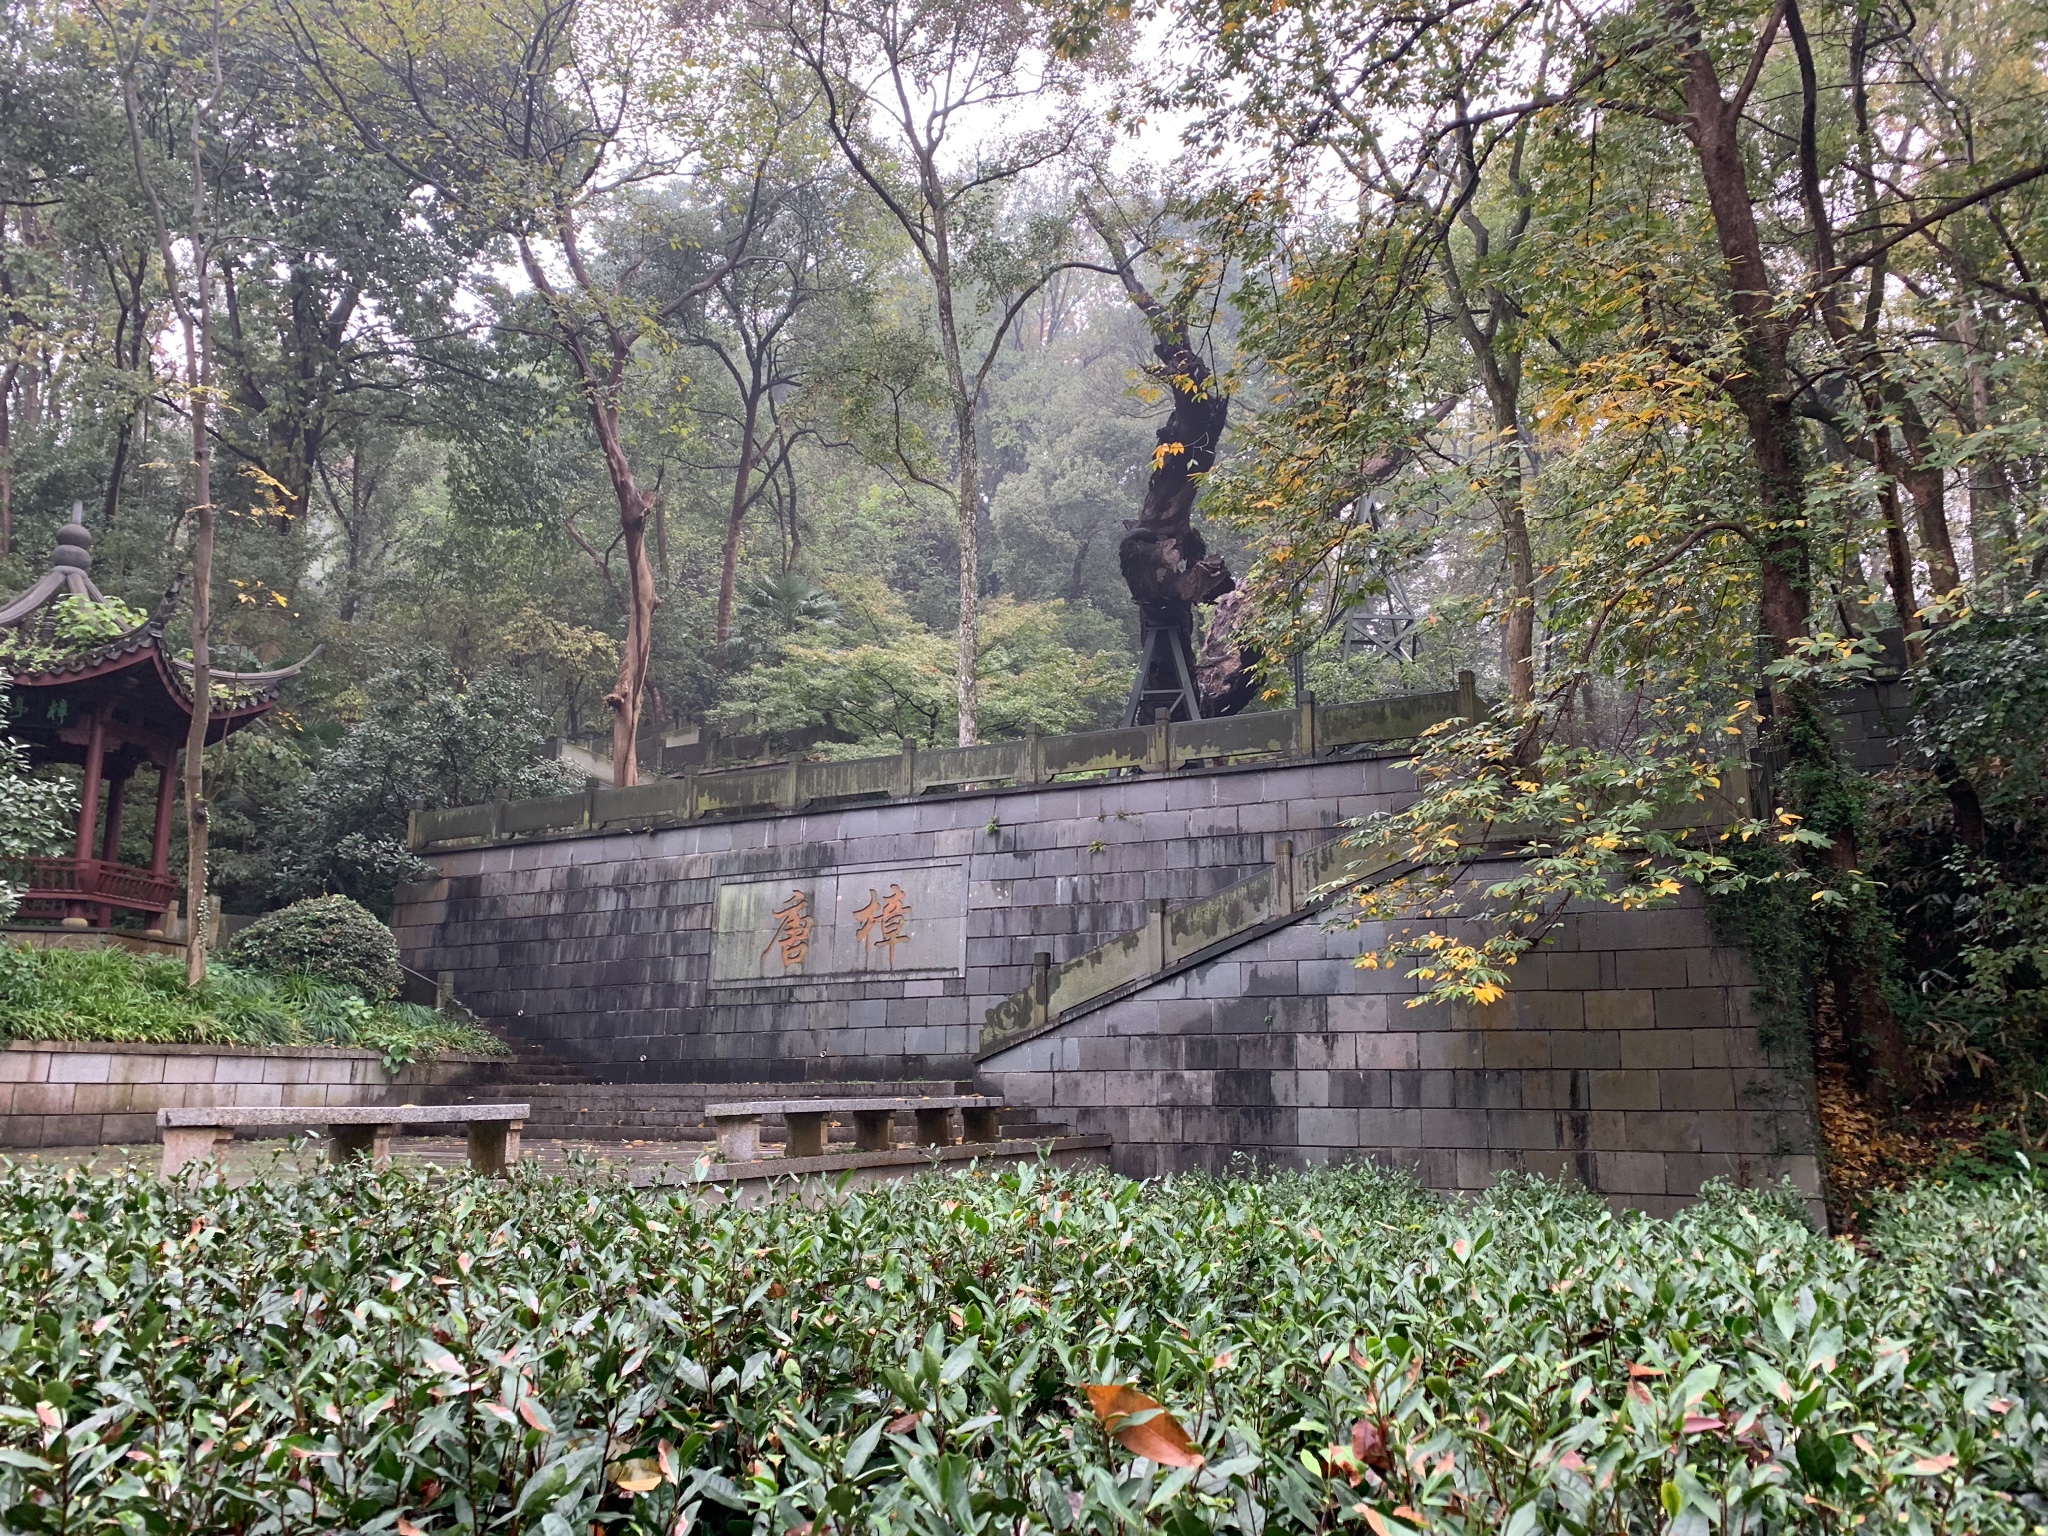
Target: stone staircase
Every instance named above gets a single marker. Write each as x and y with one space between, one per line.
568 1105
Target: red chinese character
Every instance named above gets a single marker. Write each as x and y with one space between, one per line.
793 927
884 923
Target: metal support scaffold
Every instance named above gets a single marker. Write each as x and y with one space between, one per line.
1166 676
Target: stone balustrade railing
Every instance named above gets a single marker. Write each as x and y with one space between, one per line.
1173 940
1297 882
795 783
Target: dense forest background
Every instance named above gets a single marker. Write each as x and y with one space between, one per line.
597 372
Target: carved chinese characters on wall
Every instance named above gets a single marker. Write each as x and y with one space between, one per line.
883 924
790 943
842 925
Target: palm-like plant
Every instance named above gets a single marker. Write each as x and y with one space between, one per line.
786 600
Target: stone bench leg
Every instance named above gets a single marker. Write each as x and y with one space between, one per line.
935 1127
371 1141
806 1134
494 1145
874 1130
982 1124
194 1144
739 1138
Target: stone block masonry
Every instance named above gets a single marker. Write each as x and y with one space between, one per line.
789 948
65 1093
1625 1056
608 949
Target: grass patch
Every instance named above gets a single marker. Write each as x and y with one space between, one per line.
426 1352
112 994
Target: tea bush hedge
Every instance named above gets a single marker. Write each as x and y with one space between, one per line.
420 1352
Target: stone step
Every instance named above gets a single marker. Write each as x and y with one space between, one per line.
705 1093
665 1111
664 1127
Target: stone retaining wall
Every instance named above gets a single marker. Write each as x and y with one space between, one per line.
603 949
64 1093
1626 1055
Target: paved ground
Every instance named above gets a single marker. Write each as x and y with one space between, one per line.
637 1162
642 1162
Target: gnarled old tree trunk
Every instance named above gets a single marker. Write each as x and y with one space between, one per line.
1164 560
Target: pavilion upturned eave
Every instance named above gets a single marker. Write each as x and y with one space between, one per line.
138 695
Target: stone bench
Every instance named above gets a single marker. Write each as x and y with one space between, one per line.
197 1135
739 1125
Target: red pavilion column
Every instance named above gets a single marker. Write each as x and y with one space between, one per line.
160 834
88 814
117 803
110 838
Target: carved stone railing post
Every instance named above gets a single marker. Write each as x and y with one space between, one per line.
1159 750
1155 934
690 801
906 773
1286 878
589 803
1041 987
1305 728
788 797
1034 757
1468 698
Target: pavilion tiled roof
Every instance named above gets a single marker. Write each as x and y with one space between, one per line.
43 657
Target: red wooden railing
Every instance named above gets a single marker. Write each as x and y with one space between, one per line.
59 888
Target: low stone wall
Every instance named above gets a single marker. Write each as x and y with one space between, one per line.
1626 1056
65 1093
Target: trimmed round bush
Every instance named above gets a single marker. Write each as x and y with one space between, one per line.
330 938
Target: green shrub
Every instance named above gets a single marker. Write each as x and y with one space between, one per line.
422 1351
330 937
110 994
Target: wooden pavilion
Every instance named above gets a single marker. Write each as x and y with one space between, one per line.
110 699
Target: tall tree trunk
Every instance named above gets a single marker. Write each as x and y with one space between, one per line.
195 319
603 380
1873 1034
965 682
1519 633
1511 505
1898 553
7 459
735 517
1991 533
1163 557
199 369
967 499
356 527
641 597
117 471
1714 127
1500 374
629 691
1925 484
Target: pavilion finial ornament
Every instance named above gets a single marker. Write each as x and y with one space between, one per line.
66 576
74 542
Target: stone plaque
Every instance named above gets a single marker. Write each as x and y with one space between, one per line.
840 925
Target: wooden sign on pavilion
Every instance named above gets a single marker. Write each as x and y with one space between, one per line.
91 688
